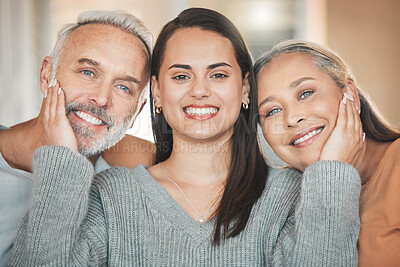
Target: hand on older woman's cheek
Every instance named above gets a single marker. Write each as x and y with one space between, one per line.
346 140
57 129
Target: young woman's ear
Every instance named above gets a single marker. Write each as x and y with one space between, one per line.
155 91
351 89
45 74
246 89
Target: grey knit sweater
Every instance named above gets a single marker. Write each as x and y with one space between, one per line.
123 217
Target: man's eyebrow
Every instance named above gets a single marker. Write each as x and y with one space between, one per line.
88 61
181 66
130 79
213 66
299 81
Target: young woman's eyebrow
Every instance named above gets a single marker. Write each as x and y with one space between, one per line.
180 66
216 65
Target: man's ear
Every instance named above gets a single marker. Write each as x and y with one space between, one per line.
246 89
351 89
155 90
45 74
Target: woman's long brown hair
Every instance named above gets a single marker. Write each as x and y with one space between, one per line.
248 171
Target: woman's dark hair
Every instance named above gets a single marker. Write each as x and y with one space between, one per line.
248 170
329 62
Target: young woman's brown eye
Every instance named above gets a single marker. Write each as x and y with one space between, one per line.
180 77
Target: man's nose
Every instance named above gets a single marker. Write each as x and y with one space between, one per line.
101 95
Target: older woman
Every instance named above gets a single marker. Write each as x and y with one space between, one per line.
307 95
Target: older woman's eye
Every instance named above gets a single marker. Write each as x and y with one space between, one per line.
306 94
273 112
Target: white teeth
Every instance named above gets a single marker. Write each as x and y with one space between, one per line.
200 111
89 118
307 136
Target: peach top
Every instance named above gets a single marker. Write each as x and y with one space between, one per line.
379 240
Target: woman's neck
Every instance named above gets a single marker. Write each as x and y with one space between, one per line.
369 162
200 163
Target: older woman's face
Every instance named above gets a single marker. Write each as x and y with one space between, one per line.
298 108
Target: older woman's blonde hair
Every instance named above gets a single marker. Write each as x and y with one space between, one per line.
374 126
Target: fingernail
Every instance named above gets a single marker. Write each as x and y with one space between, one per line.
59 90
348 96
52 83
344 100
363 137
45 94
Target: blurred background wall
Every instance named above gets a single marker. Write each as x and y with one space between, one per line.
365 33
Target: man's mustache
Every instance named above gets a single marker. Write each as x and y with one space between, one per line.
99 112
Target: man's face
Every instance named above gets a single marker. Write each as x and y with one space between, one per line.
102 71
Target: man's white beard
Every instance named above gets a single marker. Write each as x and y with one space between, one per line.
112 136
90 145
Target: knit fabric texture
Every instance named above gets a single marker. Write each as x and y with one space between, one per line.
124 217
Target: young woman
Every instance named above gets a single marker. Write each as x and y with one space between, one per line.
209 200
300 88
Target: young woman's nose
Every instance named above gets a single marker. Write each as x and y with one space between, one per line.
199 89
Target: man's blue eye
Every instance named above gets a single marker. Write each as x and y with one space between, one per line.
306 94
124 88
87 73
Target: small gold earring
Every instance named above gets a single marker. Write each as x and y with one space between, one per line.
245 106
158 110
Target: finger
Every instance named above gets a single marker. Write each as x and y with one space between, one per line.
350 108
357 125
341 121
47 104
60 103
52 96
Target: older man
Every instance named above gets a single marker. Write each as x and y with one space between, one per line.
102 64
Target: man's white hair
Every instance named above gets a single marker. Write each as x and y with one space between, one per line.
119 19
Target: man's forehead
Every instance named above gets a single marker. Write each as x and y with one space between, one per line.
105 44
93 31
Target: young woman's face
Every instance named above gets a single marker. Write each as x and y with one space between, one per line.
200 86
298 107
